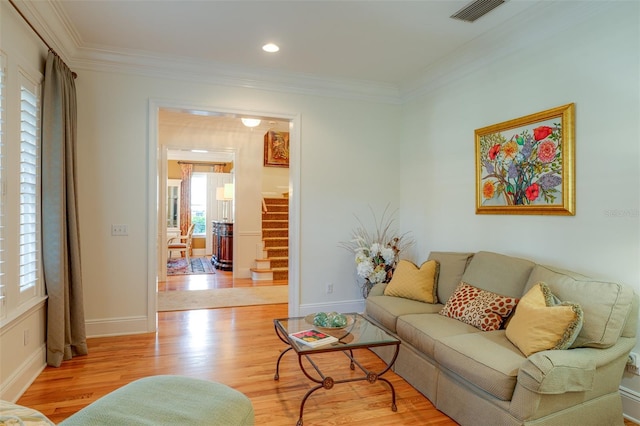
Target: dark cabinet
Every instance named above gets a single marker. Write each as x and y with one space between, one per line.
222 257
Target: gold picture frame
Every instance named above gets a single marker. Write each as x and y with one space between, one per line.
276 149
526 165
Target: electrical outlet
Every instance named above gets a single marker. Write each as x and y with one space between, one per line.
632 364
329 288
633 370
119 230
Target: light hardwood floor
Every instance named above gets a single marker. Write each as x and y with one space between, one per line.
221 279
235 346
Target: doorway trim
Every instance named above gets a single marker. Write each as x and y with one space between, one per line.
154 183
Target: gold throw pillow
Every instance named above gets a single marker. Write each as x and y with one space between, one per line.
542 322
414 283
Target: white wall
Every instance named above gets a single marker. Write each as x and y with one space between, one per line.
595 65
348 159
275 181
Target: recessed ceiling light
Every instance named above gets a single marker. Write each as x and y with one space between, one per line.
271 48
199 150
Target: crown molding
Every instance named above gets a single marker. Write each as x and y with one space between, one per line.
188 69
55 28
50 20
556 17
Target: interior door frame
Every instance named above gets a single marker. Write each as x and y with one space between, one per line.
156 180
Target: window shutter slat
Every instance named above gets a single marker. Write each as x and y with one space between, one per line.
29 137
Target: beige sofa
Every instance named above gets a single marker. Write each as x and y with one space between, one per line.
481 378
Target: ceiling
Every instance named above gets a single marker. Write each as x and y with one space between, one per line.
377 48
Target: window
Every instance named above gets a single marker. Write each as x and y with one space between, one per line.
199 202
29 184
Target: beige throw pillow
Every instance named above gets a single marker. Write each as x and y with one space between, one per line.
542 322
414 283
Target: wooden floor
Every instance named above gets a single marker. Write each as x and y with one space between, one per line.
221 279
237 347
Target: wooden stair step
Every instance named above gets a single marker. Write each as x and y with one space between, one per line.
275 224
261 274
277 208
274 264
275 200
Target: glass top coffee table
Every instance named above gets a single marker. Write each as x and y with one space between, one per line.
358 333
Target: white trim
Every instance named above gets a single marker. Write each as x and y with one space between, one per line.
20 379
21 312
356 305
154 167
118 326
630 404
141 63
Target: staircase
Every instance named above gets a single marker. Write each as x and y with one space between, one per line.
273 257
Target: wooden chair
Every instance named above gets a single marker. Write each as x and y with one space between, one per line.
182 243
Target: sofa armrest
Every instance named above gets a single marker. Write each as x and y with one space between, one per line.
570 370
378 289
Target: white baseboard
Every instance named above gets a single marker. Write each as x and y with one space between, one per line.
630 404
347 306
21 379
117 326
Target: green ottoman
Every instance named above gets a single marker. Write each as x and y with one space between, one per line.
164 400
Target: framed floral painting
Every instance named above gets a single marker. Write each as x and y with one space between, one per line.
526 165
276 149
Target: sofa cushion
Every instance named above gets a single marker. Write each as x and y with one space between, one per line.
605 305
452 266
168 400
479 308
498 273
385 310
422 331
541 321
413 282
487 360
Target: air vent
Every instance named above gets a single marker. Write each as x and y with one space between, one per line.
476 9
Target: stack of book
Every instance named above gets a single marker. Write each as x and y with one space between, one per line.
313 337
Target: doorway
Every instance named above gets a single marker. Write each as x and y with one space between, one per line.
227 121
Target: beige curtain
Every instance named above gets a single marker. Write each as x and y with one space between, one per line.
185 197
66 335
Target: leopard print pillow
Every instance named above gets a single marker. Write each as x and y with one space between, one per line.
480 308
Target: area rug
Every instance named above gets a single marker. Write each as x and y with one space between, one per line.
222 298
199 265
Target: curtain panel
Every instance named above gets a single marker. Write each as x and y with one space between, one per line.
66 336
185 197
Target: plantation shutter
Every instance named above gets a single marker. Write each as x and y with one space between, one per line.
3 192
29 207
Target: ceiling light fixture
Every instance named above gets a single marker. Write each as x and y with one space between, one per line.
270 48
250 122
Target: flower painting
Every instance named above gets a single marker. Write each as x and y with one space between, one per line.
525 166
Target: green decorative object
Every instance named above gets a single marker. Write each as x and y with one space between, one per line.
329 320
320 319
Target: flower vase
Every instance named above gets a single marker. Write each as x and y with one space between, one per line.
366 288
